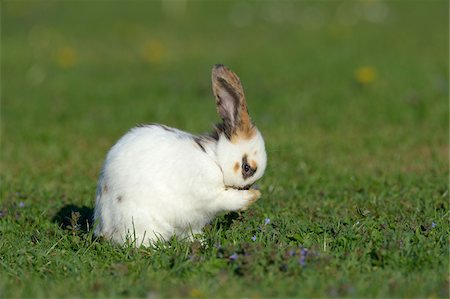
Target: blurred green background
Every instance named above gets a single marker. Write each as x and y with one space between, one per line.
371 75
349 95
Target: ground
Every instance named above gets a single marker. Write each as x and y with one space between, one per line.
352 100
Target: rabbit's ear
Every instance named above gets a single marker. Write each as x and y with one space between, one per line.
230 102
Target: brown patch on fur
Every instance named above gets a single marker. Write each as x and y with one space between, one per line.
243 134
245 127
233 136
253 164
236 167
119 198
105 188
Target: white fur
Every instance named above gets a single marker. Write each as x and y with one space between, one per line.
157 182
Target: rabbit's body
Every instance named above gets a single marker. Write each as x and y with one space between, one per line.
158 181
163 199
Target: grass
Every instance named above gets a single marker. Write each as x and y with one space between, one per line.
352 98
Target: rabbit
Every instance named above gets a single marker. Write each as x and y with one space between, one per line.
158 181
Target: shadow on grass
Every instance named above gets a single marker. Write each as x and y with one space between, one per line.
227 220
81 219
75 218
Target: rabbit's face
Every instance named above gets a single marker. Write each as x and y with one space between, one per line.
242 160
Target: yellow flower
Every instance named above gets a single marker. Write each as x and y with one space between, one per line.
66 57
365 75
196 293
153 52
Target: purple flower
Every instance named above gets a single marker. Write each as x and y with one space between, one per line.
266 221
304 252
21 204
301 261
291 252
433 224
254 238
233 257
2 214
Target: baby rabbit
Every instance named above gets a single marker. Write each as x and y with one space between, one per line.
158 181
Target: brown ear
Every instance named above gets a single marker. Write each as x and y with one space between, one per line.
230 102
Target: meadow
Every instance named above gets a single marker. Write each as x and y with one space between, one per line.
351 97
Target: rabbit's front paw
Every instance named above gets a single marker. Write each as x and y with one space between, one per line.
254 196
234 200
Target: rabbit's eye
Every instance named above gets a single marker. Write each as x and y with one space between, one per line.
247 170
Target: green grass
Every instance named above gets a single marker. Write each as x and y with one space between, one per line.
357 173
